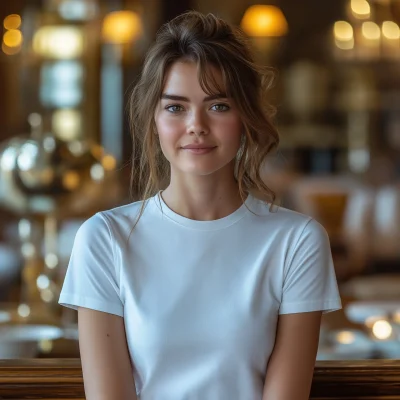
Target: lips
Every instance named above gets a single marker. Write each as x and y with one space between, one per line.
198 146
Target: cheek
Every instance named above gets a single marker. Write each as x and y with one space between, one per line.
169 130
231 132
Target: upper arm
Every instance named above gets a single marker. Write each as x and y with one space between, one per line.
106 365
291 365
309 280
93 275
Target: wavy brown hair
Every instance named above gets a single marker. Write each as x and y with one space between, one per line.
207 41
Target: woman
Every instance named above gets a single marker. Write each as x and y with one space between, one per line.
203 291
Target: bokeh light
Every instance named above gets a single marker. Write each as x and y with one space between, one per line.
23 310
345 337
51 260
42 282
45 345
109 162
264 21
97 172
47 295
67 124
382 329
71 180
12 21
121 27
360 8
60 42
13 38
370 30
390 30
343 30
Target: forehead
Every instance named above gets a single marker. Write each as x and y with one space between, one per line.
186 75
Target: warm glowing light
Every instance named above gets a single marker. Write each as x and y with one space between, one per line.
13 38
97 151
61 42
345 44
47 295
109 162
45 345
97 172
121 27
24 310
10 51
51 260
76 147
28 250
264 21
343 31
382 329
390 30
370 321
12 21
396 317
360 8
67 124
345 337
42 282
71 180
370 30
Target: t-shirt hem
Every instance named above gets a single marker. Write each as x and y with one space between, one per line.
74 301
325 306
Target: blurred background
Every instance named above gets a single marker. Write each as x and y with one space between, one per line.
66 70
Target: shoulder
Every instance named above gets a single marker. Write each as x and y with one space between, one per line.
284 218
103 225
292 228
94 225
93 231
126 215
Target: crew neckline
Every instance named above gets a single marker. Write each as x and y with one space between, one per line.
215 224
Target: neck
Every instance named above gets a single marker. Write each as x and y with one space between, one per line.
203 200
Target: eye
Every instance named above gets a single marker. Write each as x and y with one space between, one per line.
175 108
220 107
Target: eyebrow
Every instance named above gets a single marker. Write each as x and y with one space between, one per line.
166 96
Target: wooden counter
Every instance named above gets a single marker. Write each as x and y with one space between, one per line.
62 379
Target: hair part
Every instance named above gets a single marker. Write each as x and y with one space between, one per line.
207 41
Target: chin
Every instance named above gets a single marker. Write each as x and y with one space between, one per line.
201 170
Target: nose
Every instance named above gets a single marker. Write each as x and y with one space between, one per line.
198 124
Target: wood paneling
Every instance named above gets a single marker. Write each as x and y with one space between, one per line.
62 379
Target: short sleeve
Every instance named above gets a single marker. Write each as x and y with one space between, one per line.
91 279
309 282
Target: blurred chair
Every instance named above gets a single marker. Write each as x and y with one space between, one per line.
344 207
386 225
385 251
377 287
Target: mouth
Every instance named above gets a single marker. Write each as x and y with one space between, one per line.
197 146
198 150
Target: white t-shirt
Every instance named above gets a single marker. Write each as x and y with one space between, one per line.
200 299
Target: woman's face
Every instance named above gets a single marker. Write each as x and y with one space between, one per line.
187 117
